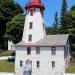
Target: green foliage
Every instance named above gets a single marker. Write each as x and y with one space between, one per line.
71 26
14 28
72 55
73 47
55 24
73 7
64 7
69 23
54 29
63 18
8 9
49 30
7 53
71 68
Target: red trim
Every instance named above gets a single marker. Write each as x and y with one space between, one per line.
34 5
37 1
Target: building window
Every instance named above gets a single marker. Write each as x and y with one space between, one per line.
53 64
38 64
21 63
28 50
30 38
30 25
31 12
53 50
37 50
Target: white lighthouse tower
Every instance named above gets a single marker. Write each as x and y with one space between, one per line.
34 28
38 53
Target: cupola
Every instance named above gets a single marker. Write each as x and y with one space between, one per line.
35 4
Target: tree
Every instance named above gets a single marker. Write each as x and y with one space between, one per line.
62 18
49 30
71 28
73 7
55 24
8 9
70 25
15 27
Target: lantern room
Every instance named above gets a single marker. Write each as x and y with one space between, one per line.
35 4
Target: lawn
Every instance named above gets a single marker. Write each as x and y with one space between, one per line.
7 53
71 68
6 66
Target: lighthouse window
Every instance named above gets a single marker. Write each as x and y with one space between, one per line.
31 12
53 50
21 63
30 38
37 50
53 64
28 50
31 23
38 64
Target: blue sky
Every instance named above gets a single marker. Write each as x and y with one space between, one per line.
51 6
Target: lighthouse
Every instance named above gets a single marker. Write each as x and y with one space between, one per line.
34 27
38 53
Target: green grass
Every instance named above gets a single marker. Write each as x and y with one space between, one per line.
6 66
7 53
71 68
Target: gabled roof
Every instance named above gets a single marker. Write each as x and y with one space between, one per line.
48 40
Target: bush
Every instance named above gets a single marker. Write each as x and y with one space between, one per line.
13 53
73 55
7 53
11 60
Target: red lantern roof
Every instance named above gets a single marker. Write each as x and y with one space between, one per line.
35 4
36 1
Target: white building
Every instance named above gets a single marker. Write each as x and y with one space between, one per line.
38 53
11 45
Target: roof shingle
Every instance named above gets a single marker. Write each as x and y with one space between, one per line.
48 40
